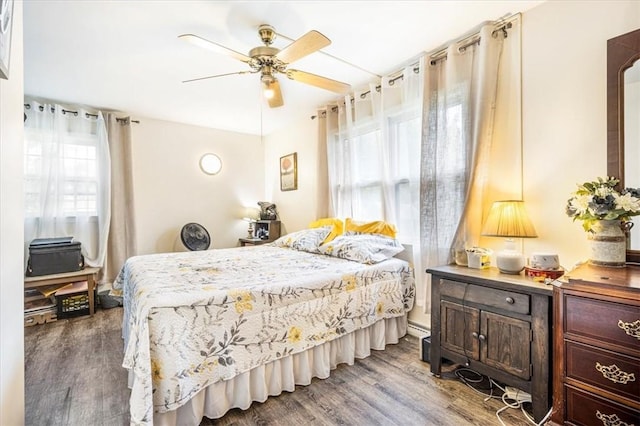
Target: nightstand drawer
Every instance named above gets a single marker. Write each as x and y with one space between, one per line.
610 371
586 409
604 321
501 299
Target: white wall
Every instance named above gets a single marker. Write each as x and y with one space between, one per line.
564 49
170 190
11 235
295 208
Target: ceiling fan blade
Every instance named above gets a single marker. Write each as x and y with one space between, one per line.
215 76
318 81
305 45
275 100
215 47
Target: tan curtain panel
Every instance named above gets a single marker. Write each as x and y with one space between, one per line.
122 234
322 173
458 123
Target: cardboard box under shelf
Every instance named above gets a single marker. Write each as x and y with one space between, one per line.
73 301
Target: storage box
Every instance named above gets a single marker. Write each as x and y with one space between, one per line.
73 301
54 256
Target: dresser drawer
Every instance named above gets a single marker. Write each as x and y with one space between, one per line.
586 409
501 299
604 321
610 371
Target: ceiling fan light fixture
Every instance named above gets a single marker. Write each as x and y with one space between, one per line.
268 92
267 82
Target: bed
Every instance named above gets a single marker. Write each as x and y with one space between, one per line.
209 331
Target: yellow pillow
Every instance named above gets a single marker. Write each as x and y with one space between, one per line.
336 224
376 227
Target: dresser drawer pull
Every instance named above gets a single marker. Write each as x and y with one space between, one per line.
610 419
510 300
614 374
631 328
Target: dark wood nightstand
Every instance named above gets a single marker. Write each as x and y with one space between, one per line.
496 324
251 241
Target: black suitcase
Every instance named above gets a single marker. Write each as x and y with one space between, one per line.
54 256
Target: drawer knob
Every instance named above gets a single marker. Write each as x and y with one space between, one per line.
614 374
510 300
610 419
482 337
474 335
631 328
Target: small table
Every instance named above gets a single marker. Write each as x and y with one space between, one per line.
251 241
86 274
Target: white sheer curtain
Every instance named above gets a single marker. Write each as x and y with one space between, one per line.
67 177
373 151
373 145
459 106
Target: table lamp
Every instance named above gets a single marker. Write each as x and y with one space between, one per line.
250 215
509 219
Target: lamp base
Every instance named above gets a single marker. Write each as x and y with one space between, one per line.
504 271
510 262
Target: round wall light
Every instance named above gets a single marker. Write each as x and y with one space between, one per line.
210 164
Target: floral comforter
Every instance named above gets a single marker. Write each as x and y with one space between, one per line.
192 319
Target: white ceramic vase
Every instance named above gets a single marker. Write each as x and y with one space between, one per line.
608 244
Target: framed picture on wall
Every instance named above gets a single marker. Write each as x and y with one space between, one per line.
6 15
289 172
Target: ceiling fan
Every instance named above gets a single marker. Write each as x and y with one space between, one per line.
269 61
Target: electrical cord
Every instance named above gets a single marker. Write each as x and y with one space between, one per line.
511 397
469 382
515 398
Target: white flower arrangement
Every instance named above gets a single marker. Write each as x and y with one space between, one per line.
600 200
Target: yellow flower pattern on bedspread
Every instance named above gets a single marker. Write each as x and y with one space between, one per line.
196 318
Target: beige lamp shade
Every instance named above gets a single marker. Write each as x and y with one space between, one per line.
508 219
250 214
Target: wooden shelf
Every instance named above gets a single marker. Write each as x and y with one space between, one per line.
86 274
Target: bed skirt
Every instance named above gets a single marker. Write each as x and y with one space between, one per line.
284 374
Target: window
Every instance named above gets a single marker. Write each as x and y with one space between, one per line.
77 183
67 178
379 177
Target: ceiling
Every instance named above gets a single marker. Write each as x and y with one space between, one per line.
125 55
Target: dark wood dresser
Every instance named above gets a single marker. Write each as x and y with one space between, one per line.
596 366
497 324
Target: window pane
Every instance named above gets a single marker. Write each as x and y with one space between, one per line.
76 184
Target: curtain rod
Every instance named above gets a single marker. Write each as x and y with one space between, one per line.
471 39
363 95
87 114
467 41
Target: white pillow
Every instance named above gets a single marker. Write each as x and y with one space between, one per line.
305 240
363 248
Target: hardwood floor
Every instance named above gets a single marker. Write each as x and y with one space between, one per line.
74 377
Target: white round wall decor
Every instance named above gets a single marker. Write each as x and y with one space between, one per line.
210 164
